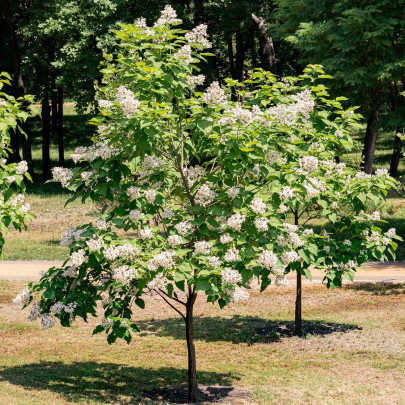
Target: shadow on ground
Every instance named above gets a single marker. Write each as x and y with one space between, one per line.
239 329
379 288
104 382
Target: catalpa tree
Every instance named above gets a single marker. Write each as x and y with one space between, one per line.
14 212
216 192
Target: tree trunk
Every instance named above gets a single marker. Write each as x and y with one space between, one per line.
240 55
396 154
27 151
61 147
298 298
266 46
231 57
46 138
192 364
18 83
54 103
370 140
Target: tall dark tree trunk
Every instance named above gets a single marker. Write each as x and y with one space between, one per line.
46 138
241 47
18 83
266 46
298 298
396 154
54 104
192 363
61 147
253 51
370 140
231 57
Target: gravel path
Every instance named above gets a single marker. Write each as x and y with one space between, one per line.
372 272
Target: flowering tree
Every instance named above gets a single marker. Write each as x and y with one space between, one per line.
13 210
199 194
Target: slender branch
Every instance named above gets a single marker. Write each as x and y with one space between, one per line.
172 306
175 299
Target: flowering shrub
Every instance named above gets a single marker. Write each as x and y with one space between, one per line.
13 210
199 194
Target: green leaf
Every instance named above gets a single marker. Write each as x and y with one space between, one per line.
202 285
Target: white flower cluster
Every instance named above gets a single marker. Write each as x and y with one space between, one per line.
290 257
47 321
183 228
262 224
381 172
287 193
167 16
158 283
164 259
2 102
239 294
225 238
267 259
70 236
22 167
282 208
70 272
79 257
314 186
23 298
146 233
199 36
281 280
135 215
150 195
202 247
63 175
193 174
205 195
243 115
309 163
106 323
121 251
273 157
232 255
232 192
230 276
60 307
194 81
95 244
151 162
35 312
214 94
168 213
107 104
258 206
129 103
185 54
235 221
91 153
124 274
174 240
214 262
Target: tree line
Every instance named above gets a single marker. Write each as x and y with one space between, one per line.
52 47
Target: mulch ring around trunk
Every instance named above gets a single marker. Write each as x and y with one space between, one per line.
206 395
276 331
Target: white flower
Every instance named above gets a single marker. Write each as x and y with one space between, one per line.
22 167
307 232
391 232
133 192
35 312
205 196
167 16
295 239
106 323
158 283
79 257
146 233
184 53
95 244
47 321
63 175
287 193
23 298
309 163
267 259
225 238
283 208
135 215
164 259
381 172
281 281
195 80
107 104
183 228
70 272
127 100
232 192
202 247
289 257
174 240
102 224
262 224
70 236
10 179
375 216
214 94
124 274
168 213
214 262
240 294
232 255
236 220
347 242
199 36
230 276
272 157
258 206
150 195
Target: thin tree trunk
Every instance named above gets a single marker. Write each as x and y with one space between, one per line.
396 154
18 83
298 298
27 150
370 140
266 46
231 57
46 138
240 55
54 103
192 364
61 147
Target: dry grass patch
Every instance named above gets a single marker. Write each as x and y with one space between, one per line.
362 364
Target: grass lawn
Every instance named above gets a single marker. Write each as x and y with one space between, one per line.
361 363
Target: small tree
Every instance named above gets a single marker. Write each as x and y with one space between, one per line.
209 186
13 210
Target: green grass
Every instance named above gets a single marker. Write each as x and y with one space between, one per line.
363 363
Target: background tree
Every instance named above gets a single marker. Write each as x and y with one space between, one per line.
361 43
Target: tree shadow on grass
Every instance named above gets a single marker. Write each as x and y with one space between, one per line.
379 288
240 329
104 382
